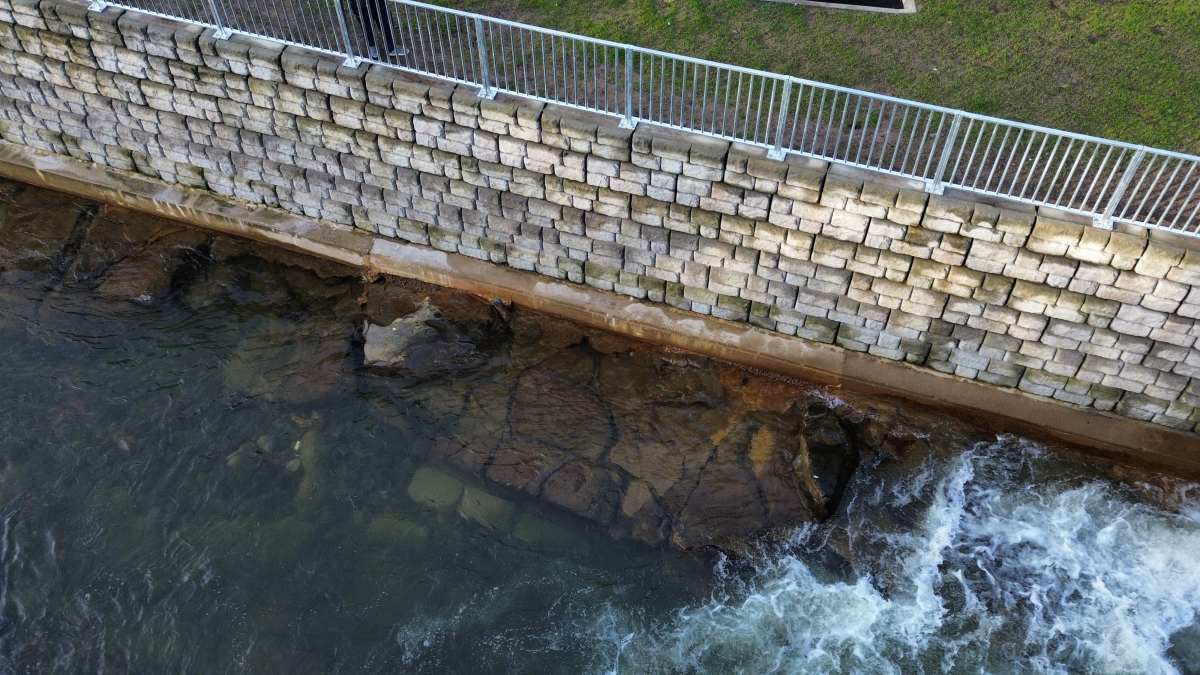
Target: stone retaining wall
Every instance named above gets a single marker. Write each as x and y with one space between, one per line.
1001 294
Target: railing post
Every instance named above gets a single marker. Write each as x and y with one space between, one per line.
486 89
936 184
1104 220
223 31
351 61
777 150
628 122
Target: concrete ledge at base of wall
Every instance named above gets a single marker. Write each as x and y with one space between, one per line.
1098 433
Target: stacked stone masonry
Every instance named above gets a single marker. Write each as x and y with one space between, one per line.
1003 295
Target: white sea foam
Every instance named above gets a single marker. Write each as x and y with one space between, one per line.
1006 571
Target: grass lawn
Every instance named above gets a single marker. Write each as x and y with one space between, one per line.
1125 69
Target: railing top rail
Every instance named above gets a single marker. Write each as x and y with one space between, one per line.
803 81
1109 180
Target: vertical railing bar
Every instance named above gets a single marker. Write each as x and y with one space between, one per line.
429 37
878 128
737 105
1062 192
650 109
1188 175
691 100
664 94
462 54
1021 166
778 152
1162 167
629 88
223 30
936 184
983 126
887 135
1162 191
481 42
840 125
962 149
1057 172
497 63
795 118
899 138
1191 195
770 113
671 103
1099 170
1083 175
562 74
351 59
762 91
1112 173
933 147
436 38
812 92
606 71
818 127
1046 167
521 80
862 137
641 59
717 107
526 56
912 134
1136 189
853 124
987 150
996 161
921 147
414 43
1122 186
677 113
827 128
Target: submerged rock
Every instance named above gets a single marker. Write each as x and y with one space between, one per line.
36 226
419 343
281 360
396 531
486 509
435 488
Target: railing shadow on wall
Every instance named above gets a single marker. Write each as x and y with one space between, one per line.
1109 181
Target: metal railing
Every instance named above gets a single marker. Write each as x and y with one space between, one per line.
1111 181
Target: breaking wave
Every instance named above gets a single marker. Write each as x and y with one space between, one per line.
990 561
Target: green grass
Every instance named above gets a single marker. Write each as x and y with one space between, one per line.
1125 69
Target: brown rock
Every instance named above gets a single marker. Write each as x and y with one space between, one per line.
646 520
484 422
119 233
555 405
35 226
525 465
665 446
725 507
631 381
584 489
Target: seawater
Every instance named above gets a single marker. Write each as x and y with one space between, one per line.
1012 562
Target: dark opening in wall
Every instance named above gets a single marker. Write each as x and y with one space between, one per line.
895 5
